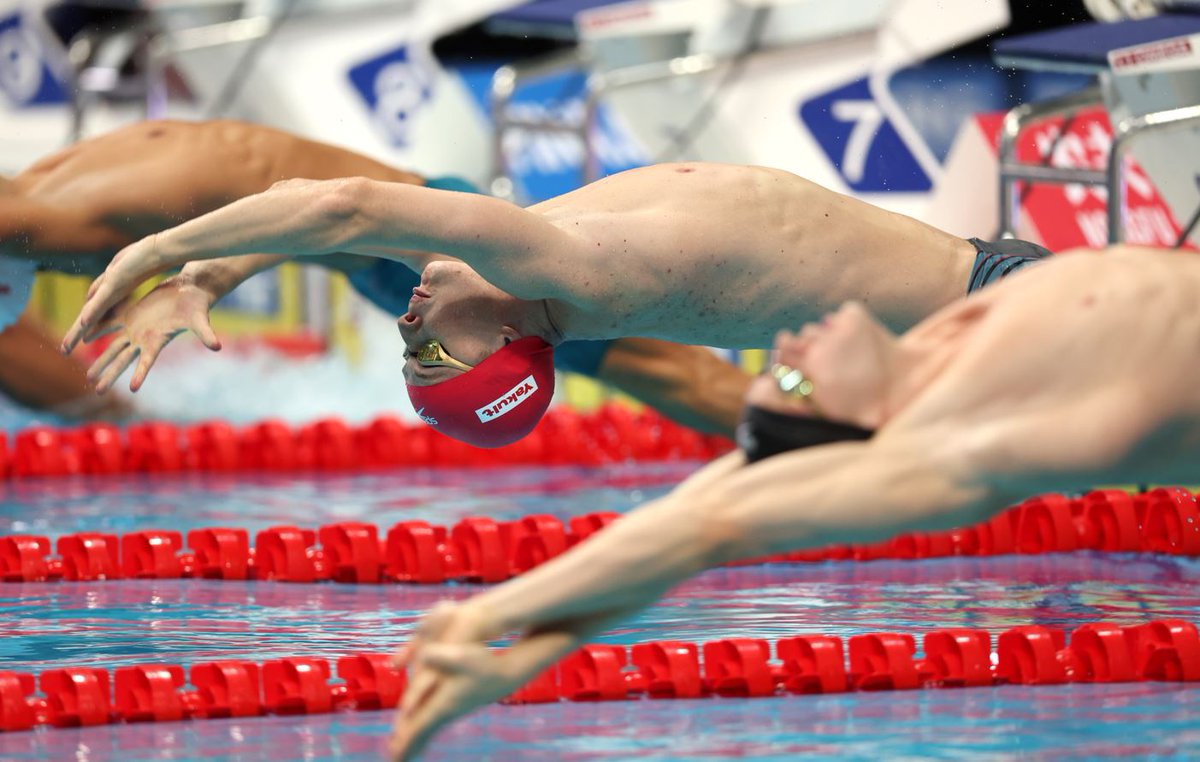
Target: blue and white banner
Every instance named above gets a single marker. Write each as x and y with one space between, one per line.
545 164
258 295
25 79
859 139
394 87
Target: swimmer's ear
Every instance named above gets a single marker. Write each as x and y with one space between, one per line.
509 334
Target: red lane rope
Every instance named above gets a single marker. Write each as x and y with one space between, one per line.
1162 650
478 549
611 434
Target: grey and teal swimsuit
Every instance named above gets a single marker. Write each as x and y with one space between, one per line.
996 261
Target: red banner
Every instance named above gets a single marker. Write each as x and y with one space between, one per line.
1075 214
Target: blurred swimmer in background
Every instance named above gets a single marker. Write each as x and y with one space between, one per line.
74 210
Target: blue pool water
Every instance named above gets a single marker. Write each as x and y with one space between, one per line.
181 621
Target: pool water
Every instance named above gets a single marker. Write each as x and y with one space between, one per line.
111 624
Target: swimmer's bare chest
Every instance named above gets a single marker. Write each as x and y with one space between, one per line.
705 254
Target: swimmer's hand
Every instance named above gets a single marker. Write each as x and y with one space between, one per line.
452 671
144 329
133 265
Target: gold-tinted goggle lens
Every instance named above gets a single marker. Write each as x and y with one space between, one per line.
431 354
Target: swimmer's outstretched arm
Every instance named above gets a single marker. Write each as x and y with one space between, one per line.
516 250
851 492
847 492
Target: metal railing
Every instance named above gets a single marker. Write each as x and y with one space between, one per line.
1124 133
1012 171
1111 177
599 85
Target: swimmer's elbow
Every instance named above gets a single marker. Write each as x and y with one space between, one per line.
338 215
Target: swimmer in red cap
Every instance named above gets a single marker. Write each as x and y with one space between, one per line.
709 254
1078 372
74 210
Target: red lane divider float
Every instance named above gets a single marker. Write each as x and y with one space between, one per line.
611 434
1163 650
478 549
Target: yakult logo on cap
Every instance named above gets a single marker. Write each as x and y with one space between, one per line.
508 401
428 419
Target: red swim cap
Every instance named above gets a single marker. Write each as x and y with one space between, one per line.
495 403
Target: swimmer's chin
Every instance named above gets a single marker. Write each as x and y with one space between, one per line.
417 375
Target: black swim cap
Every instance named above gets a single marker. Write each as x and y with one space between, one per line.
763 433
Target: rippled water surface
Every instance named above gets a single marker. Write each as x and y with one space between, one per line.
182 621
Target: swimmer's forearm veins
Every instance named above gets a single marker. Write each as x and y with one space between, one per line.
355 215
291 220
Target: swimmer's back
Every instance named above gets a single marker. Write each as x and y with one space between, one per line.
213 161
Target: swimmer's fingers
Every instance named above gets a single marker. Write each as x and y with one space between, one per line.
113 321
467 676
123 360
84 323
792 349
154 346
73 335
204 331
403 656
94 309
95 284
106 357
461 659
149 354
101 330
421 683
789 343
431 627
411 733
132 265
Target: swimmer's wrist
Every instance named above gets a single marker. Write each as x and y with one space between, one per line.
217 277
206 279
166 252
487 618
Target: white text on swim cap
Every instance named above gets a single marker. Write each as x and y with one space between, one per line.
508 401
428 419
